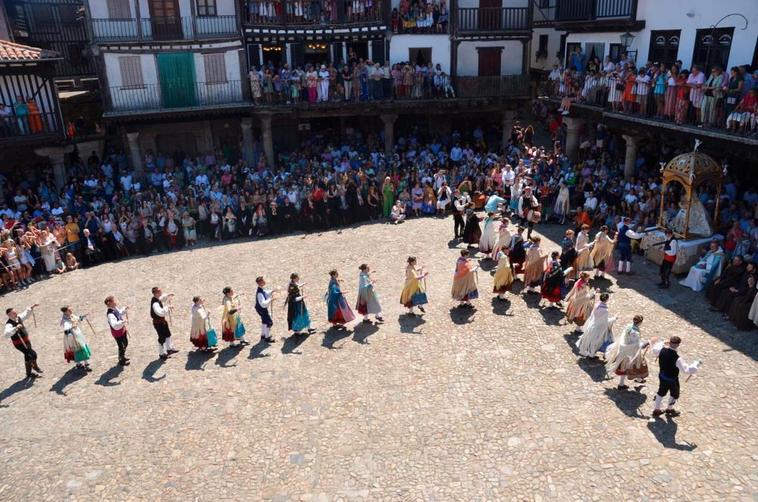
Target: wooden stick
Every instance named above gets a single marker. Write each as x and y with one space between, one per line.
94 333
34 318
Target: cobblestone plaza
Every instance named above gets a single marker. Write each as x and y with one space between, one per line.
491 404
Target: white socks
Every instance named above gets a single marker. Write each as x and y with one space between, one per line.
622 379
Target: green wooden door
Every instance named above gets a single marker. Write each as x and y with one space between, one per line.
176 72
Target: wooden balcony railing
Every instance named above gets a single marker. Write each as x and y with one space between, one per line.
163 28
589 10
28 126
305 13
492 87
493 19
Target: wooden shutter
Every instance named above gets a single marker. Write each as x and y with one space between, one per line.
215 68
119 9
131 71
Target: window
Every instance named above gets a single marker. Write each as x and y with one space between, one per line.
545 4
215 69
68 13
119 9
419 55
206 8
542 48
614 52
570 49
664 46
755 54
712 47
131 72
43 13
562 47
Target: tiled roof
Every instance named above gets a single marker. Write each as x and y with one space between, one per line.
11 52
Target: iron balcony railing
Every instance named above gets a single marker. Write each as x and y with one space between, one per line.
492 87
493 19
163 28
294 13
588 10
166 96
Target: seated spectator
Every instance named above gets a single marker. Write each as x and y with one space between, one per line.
706 269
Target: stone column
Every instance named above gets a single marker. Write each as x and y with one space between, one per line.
57 156
248 143
507 125
630 160
389 133
573 128
135 153
268 140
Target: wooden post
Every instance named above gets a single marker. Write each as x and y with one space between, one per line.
718 202
663 200
689 206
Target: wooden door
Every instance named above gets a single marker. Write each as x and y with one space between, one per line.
490 15
166 20
489 61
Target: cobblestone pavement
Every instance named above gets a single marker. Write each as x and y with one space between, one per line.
491 405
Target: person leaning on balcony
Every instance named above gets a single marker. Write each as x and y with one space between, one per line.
579 60
5 120
255 84
21 109
695 82
733 90
712 95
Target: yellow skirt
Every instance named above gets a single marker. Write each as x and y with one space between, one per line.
503 279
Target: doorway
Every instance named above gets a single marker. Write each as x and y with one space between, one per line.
176 72
165 19
489 61
489 16
420 56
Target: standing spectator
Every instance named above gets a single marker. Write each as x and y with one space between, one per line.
695 82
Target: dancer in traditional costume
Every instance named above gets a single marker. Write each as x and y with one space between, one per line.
580 300
298 319
471 232
117 318
460 202
706 269
414 291
159 314
368 300
263 299
338 309
503 279
534 266
517 255
568 251
202 335
602 252
671 363
583 259
75 346
464 281
670 250
232 328
598 332
554 277
562 202
16 331
624 239
503 239
625 357
528 210
489 234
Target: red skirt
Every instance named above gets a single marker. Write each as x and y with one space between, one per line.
227 335
201 341
551 294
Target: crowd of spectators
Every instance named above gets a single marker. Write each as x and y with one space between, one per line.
358 80
105 213
22 118
420 16
721 99
313 11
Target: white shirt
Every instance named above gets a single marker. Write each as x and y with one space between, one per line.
11 330
590 204
160 311
673 248
689 369
114 322
263 301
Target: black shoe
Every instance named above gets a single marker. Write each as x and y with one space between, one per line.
622 387
311 331
163 357
244 342
422 309
32 376
379 319
88 369
672 413
172 351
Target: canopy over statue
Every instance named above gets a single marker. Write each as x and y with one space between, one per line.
691 170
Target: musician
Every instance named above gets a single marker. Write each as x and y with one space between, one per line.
528 205
460 202
159 314
671 363
624 245
117 323
263 299
670 249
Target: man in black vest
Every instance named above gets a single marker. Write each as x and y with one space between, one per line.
16 331
671 364
159 313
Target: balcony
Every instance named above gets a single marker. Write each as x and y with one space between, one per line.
36 128
296 13
491 20
605 15
162 28
167 97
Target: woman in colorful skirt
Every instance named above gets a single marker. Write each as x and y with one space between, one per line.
464 281
232 329
517 254
471 232
414 292
75 346
534 266
583 247
368 301
554 277
490 234
602 252
201 327
503 279
580 300
337 308
598 332
298 319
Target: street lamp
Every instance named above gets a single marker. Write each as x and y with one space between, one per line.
713 40
626 39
